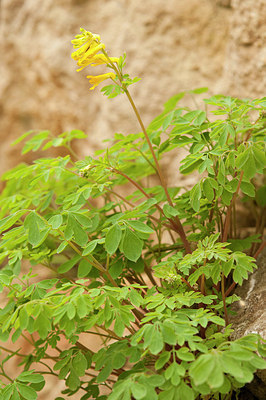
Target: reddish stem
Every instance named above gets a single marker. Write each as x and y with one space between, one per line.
228 214
263 244
224 299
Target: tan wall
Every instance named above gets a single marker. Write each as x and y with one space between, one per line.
171 44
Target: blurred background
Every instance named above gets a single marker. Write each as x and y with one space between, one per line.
171 45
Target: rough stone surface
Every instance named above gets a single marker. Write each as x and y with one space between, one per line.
172 46
250 310
251 313
251 316
245 66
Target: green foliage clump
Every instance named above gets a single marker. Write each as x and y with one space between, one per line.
150 269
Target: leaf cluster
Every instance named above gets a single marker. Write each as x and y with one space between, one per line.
148 268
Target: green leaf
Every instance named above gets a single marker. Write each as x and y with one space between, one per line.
30 376
119 326
135 298
240 354
257 362
113 238
201 368
15 395
201 117
74 228
199 90
170 371
225 387
184 354
169 335
42 325
47 283
247 375
69 264
90 247
71 310
185 392
131 245
223 134
7 222
23 319
208 189
169 394
170 211
82 219
73 381
226 197
22 137
82 308
116 269
33 223
84 268
190 164
8 390
26 391
105 372
242 159
156 343
227 267
213 183
248 189
140 226
167 120
250 168
16 335
216 377
171 103
80 235
195 196
138 390
35 142
56 221
221 173
259 156
62 246
119 360
231 366
79 363
162 360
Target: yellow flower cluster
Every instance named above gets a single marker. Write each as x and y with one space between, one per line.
88 46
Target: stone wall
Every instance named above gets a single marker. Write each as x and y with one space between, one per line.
172 45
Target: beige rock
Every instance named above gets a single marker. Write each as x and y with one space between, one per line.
172 46
245 65
250 316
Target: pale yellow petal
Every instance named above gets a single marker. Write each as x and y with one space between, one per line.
96 80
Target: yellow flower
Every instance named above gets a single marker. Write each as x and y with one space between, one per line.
97 59
102 59
85 37
95 80
86 51
88 46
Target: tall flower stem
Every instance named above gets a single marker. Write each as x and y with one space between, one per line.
224 299
177 222
228 214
